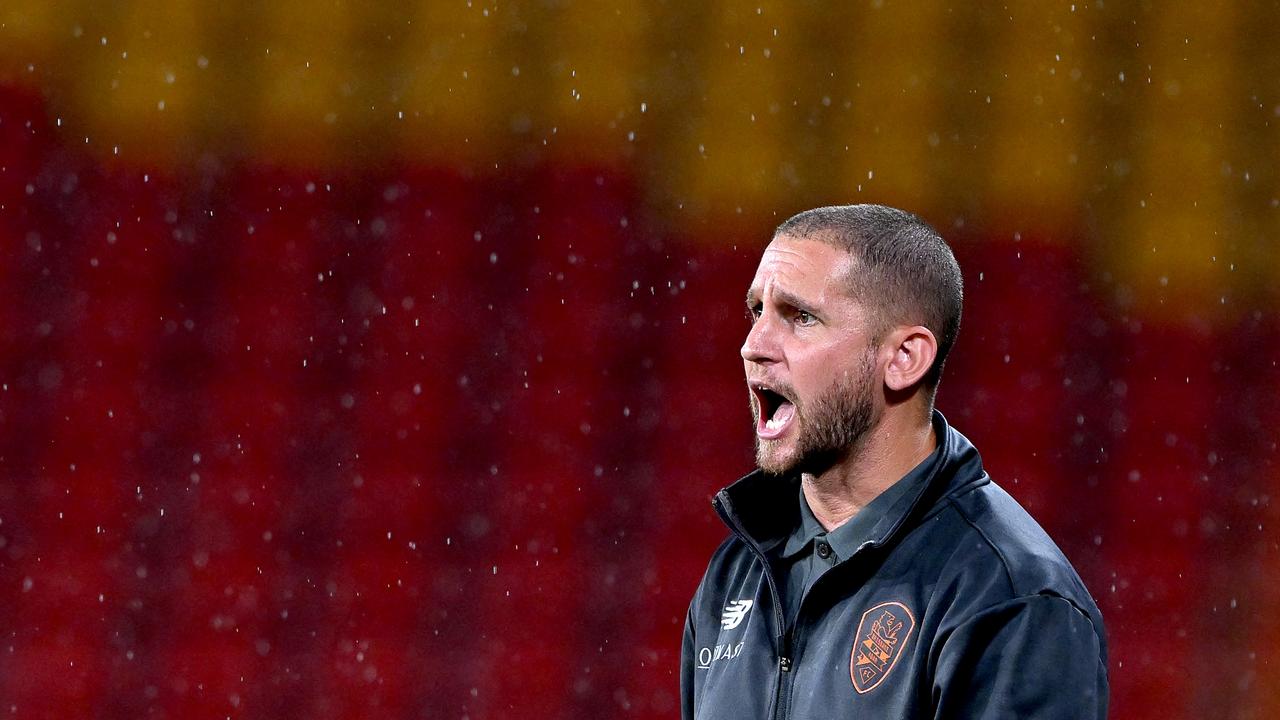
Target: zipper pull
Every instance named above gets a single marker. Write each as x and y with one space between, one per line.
785 664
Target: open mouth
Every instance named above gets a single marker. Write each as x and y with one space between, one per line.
776 411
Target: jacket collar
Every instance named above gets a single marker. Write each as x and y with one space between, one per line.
762 508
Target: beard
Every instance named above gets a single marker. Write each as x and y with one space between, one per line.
827 427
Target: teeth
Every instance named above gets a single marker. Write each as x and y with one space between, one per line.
773 423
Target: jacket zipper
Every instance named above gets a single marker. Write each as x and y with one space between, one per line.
792 638
786 681
786 638
783 639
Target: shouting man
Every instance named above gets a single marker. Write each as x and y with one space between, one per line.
873 569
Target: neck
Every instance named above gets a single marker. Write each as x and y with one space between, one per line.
886 453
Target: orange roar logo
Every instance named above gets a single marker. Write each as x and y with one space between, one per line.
882 634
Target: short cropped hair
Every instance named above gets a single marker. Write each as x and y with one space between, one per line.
903 270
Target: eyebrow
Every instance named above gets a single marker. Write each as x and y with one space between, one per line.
785 297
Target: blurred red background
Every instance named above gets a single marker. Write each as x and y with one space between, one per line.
363 362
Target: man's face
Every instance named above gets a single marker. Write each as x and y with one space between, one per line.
811 368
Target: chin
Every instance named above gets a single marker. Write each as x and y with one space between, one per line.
774 460
787 461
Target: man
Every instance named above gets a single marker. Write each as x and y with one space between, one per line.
873 569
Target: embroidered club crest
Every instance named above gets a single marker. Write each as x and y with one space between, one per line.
882 635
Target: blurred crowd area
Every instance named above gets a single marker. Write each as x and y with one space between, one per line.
380 360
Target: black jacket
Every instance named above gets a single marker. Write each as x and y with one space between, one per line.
960 607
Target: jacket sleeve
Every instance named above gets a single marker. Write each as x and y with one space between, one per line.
686 666
1035 657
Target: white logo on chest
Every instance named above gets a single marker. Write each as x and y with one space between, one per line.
734 613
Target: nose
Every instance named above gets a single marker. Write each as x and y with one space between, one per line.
761 345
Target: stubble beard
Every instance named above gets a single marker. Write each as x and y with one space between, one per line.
827 428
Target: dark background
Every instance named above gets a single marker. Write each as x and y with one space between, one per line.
363 360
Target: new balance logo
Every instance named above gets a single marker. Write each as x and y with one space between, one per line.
734 613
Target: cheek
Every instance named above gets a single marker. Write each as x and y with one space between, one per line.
817 373
808 388
824 375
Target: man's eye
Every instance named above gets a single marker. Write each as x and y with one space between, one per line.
753 313
804 318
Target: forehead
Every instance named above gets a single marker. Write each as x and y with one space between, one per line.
803 265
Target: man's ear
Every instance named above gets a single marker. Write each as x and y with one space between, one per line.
914 350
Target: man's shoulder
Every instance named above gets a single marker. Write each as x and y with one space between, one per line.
1000 549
